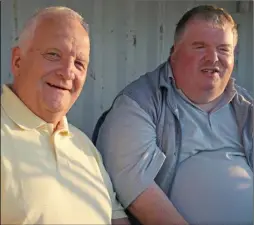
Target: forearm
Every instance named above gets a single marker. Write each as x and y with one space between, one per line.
154 207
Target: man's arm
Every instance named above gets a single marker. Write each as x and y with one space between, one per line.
118 214
153 207
127 141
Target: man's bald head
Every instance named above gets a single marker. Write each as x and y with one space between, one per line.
56 12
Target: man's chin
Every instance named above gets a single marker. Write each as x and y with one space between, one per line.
56 107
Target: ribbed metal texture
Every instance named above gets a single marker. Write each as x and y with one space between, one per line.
128 38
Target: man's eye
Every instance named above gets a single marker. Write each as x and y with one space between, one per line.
53 53
79 64
199 47
224 49
51 56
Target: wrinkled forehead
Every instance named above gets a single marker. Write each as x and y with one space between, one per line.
202 23
59 31
209 30
59 25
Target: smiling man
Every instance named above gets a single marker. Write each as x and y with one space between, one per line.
181 137
50 171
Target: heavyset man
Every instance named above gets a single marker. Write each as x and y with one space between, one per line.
181 137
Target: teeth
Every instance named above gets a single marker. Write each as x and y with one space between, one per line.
211 71
56 86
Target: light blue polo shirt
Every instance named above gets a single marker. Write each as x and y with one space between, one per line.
213 184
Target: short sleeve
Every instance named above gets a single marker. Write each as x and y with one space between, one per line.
117 209
127 142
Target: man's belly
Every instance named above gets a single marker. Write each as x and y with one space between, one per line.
214 188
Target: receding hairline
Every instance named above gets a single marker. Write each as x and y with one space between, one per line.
217 17
54 12
210 23
61 11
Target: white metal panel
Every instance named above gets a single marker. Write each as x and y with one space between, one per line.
129 37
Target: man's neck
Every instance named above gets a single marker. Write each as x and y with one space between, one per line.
56 119
210 106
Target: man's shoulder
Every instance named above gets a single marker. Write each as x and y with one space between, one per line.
78 134
8 128
147 82
84 143
6 122
145 89
243 94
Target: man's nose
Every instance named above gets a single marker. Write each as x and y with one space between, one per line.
67 70
211 55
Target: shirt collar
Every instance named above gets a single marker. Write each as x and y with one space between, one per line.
23 116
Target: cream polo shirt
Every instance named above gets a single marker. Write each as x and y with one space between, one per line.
50 177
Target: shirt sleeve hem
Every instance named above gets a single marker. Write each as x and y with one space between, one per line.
131 193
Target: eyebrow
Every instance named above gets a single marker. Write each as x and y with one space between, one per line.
225 45
81 56
198 43
195 43
82 59
53 49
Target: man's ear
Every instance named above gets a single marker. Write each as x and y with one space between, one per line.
16 61
172 54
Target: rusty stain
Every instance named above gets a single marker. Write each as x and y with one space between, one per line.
92 75
161 32
161 29
134 40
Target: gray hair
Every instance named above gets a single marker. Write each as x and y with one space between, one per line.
28 31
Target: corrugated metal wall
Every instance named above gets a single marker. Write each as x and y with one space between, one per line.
128 38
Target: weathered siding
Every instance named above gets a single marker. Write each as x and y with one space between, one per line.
128 38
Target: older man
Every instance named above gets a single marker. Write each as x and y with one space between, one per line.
50 171
181 137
